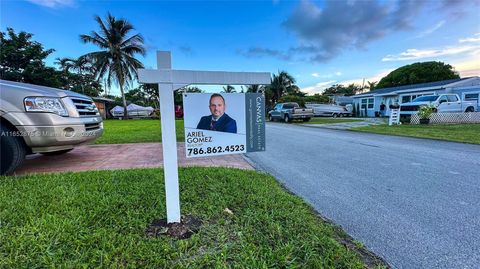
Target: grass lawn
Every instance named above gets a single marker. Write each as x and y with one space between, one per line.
135 131
467 133
98 219
329 120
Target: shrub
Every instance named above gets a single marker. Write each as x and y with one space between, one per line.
425 111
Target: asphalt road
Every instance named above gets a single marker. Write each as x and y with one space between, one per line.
415 202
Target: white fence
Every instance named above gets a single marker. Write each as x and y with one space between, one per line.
439 118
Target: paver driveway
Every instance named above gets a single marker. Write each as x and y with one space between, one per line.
120 156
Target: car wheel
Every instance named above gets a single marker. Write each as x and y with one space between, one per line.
470 109
335 115
13 151
53 153
287 118
340 115
270 118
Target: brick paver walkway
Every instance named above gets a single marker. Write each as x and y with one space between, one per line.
120 156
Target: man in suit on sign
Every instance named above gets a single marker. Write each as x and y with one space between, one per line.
218 120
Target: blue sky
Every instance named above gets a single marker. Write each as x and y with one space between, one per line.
319 42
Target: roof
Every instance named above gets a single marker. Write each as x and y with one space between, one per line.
434 84
103 99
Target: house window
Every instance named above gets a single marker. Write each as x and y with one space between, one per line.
471 97
367 103
370 103
406 98
364 103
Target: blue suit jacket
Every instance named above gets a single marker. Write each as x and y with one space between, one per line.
224 124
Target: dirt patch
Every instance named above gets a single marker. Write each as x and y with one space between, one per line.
185 229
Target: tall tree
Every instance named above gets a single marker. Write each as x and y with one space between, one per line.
281 84
85 70
371 85
418 73
116 60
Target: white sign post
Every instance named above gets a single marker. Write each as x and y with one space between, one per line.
168 81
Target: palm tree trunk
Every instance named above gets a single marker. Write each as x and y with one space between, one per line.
125 113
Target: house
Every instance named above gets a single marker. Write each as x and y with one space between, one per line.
102 104
368 103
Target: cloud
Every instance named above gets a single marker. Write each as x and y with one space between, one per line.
319 87
475 38
53 3
317 75
414 54
258 52
431 29
325 32
359 81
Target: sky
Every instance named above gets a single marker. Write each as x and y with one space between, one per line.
320 43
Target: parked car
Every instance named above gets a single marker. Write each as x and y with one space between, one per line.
330 110
38 119
446 103
178 111
290 111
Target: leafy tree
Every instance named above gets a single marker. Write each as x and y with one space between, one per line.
22 60
418 73
302 100
339 89
79 75
178 94
116 60
229 89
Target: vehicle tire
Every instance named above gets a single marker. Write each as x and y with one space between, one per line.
53 153
287 118
470 109
340 115
13 151
335 115
270 118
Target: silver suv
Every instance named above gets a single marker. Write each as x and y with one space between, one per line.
38 119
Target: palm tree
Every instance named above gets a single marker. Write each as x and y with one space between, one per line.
229 89
116 61
66 64
282 83
82 65
371 85
255 88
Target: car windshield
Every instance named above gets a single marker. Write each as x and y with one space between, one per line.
426 98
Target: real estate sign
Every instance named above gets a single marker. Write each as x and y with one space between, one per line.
223 123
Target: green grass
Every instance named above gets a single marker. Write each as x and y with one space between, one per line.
466 133
136 131
98 219
330 120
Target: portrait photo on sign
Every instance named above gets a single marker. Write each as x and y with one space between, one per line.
217 112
